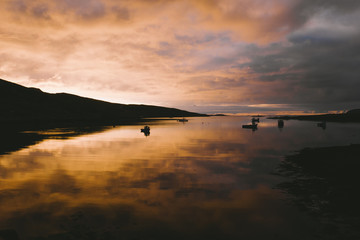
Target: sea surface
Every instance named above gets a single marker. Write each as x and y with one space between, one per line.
208 178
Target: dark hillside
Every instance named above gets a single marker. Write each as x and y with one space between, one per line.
20 104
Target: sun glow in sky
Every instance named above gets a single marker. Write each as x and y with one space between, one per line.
204 55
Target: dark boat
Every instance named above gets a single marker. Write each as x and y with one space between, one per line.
322 125
146 130
280 123
250 126
183 120
253 120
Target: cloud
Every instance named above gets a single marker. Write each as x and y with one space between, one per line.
162 52
86 9
320 63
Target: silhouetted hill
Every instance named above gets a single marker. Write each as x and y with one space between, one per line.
19 104
350 116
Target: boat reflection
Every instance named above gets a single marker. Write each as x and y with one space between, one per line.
280 124
322 125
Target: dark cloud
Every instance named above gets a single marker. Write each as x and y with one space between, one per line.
81 9
267 64
311 6
41 11
305 9
87 9
18 6
121 13
192 40
210 83
318 65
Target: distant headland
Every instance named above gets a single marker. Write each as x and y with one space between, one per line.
349 116
22 105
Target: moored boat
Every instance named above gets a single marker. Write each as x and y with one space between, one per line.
145 130
255 120
183 120
280 123
251 126
322 125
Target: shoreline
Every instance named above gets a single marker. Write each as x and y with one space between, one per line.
350 116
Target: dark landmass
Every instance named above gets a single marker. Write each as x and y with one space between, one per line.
350 116
257 115
219 115
324 182
22 105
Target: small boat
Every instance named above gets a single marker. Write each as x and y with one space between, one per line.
255 120
183 120
251 126
145 130
322 125
280 123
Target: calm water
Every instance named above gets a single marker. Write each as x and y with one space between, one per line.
205 179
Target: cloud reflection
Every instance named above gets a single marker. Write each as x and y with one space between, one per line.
185 181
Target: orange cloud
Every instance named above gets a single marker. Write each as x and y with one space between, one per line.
157 52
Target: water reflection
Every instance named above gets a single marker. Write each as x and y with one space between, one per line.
322 125
280 124
13 139
207 179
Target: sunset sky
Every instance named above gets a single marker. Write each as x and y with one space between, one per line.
210 56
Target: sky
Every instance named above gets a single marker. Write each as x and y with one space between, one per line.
209 56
